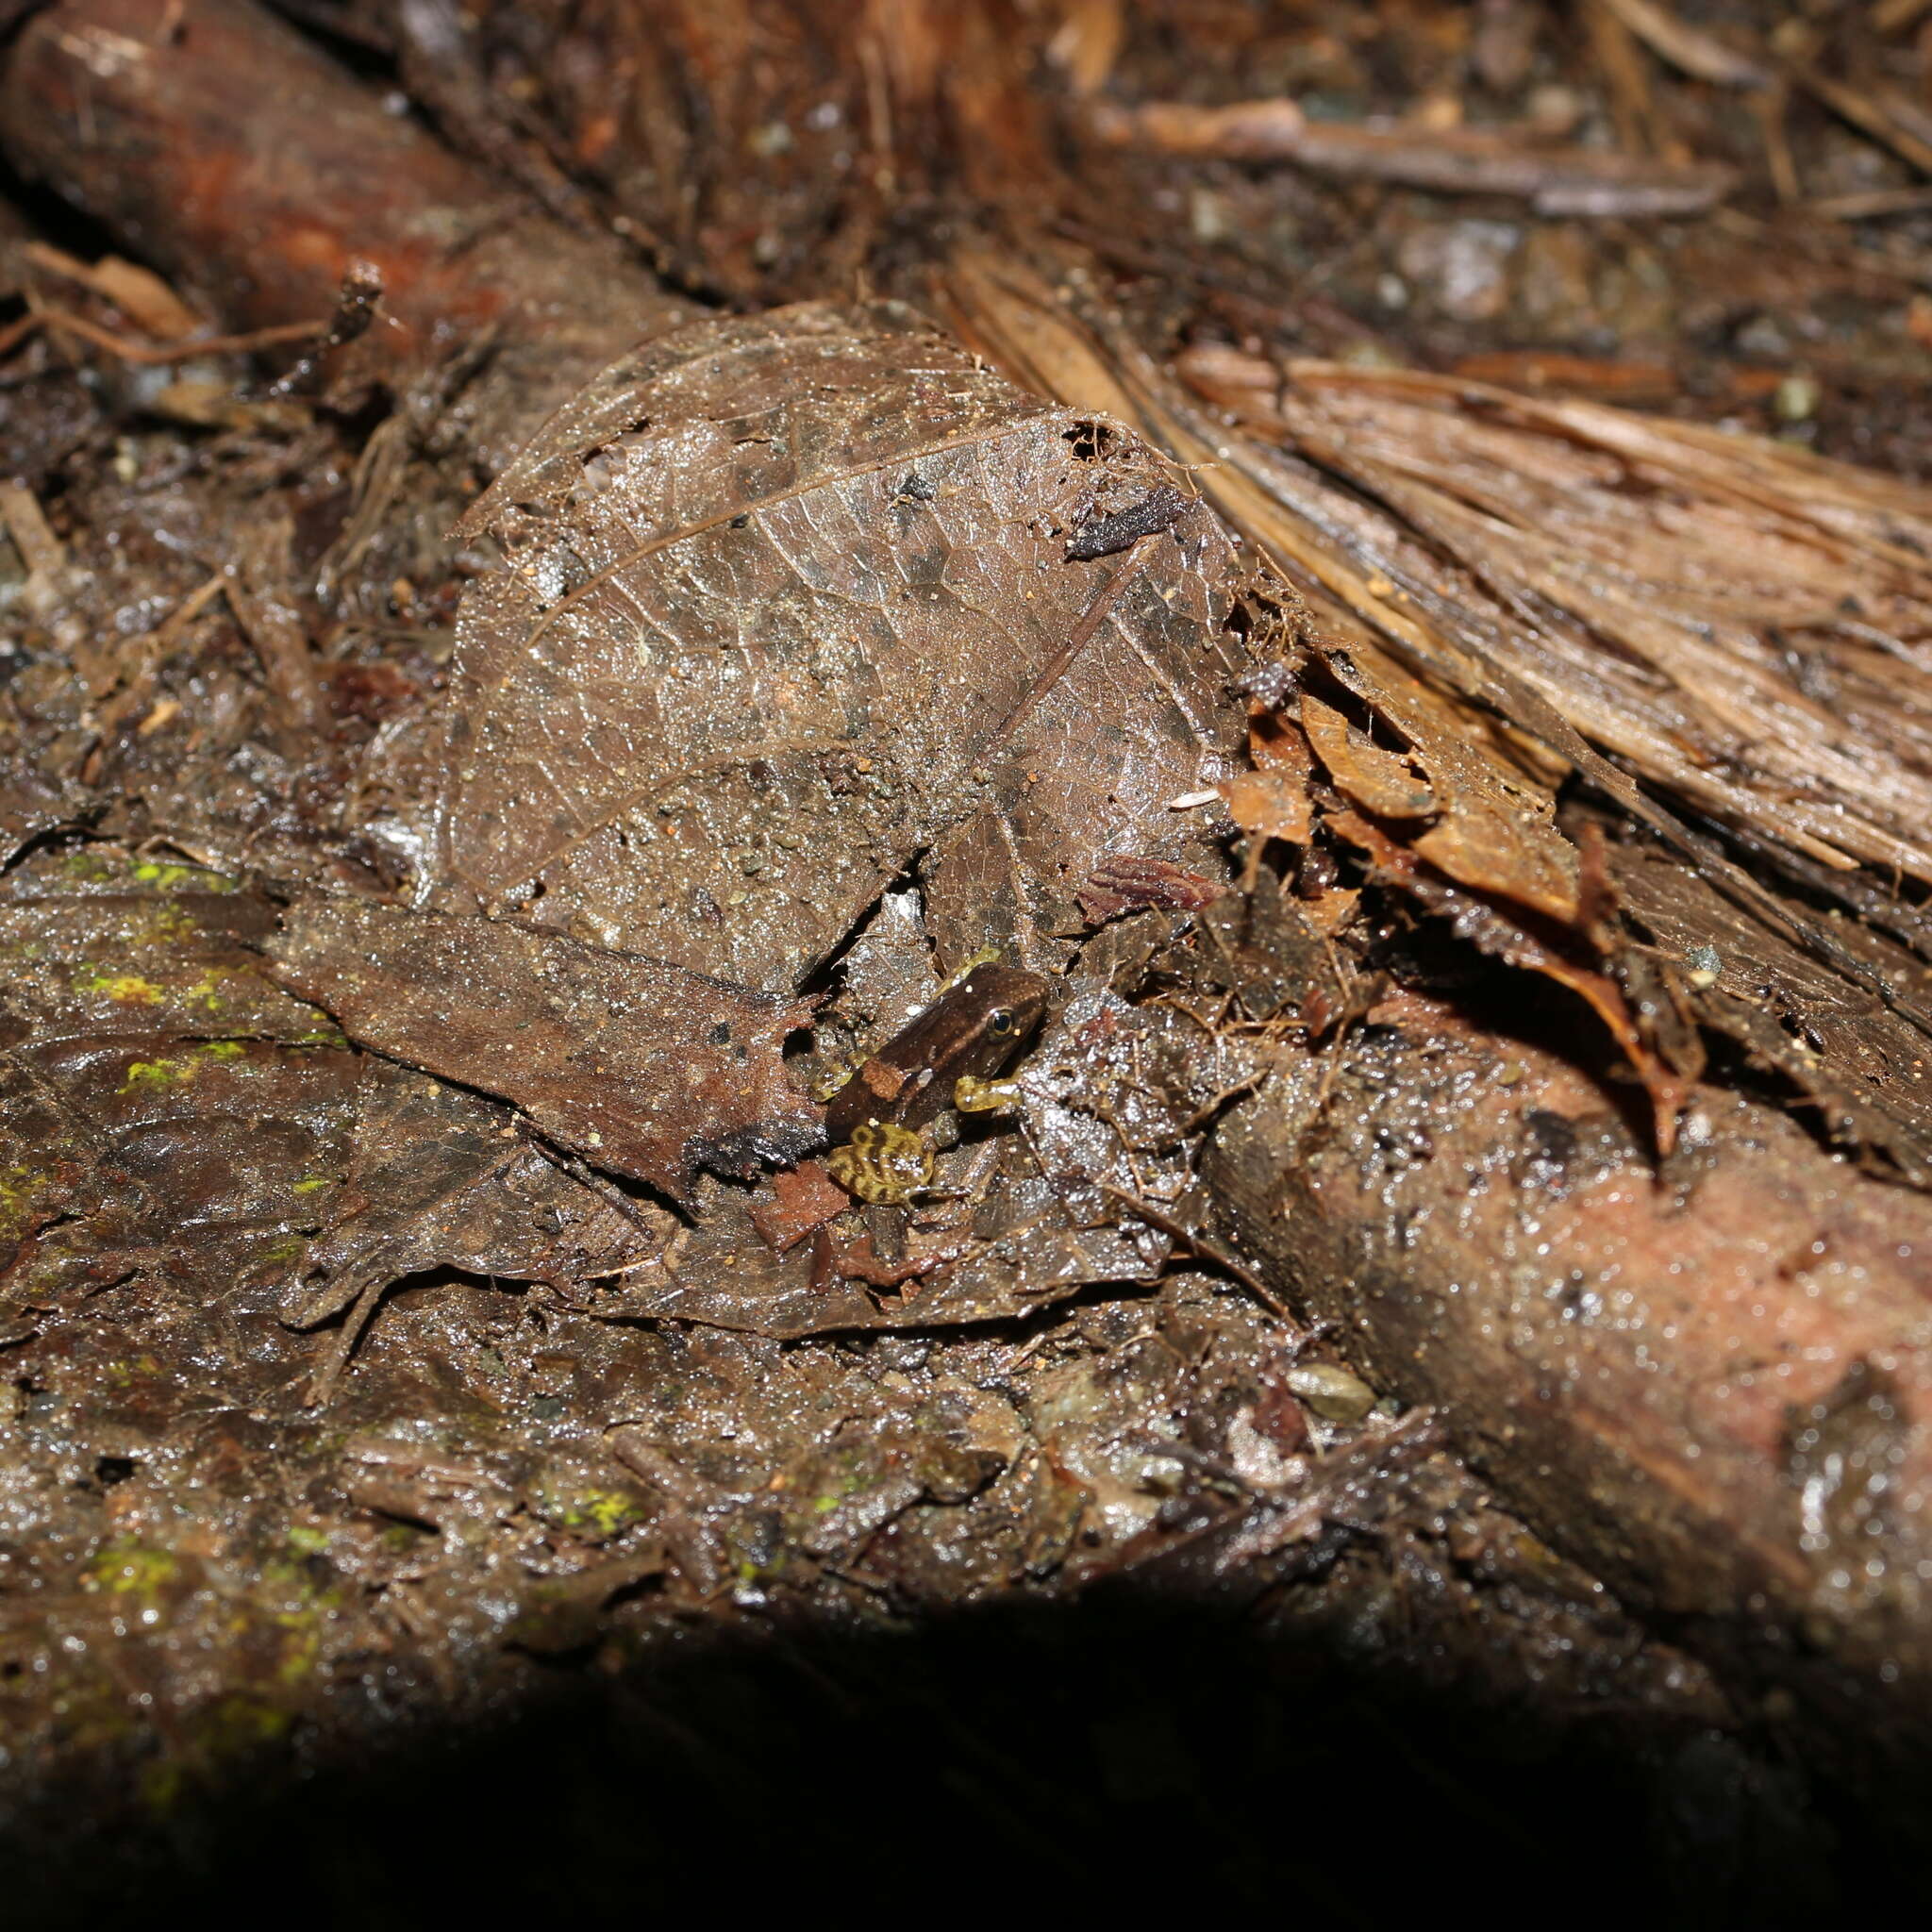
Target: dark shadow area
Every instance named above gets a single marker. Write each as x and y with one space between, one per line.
1106 1756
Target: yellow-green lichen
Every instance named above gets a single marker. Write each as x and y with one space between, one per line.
156 1073
182 1067
166 926
606 1511
126 1568
206 993
126 989
172 879
27 1195
236 1723
302 1646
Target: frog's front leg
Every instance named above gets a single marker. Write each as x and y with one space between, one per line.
974 1095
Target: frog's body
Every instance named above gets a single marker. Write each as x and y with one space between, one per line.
946 1055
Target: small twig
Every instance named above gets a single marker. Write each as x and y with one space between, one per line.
18 330
587 1177
1864 204
263 602
1626 76
1460 160
1864 112
1206 1112
1209 1250
328 1373
26 522
1096 613
1891 16
1699 55
146 353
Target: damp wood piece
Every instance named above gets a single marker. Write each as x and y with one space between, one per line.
789 602
1467 160
1708 1372
641 1068
1268 952
1742 623
1863 1070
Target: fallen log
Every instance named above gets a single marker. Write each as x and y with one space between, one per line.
234 155
1708 1372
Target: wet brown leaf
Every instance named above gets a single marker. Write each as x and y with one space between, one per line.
643 1068
164 1110
1272 955
789 602
440 1177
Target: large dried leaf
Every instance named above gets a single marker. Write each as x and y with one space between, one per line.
789 602
643 1068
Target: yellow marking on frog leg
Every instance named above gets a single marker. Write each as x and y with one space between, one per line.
832 1083
974 1095
883 1163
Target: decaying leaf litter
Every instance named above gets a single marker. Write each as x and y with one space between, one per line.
1452 809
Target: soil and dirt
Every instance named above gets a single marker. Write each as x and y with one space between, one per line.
566 568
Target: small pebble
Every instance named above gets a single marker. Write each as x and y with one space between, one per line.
1334 1393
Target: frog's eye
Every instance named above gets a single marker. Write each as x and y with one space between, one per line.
999 1023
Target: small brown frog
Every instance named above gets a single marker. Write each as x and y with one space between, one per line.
945 1056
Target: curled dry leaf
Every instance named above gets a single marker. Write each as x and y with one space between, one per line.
1501 932
789 603
1125 883
1272 801
643 1068
1489 823
1379 781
